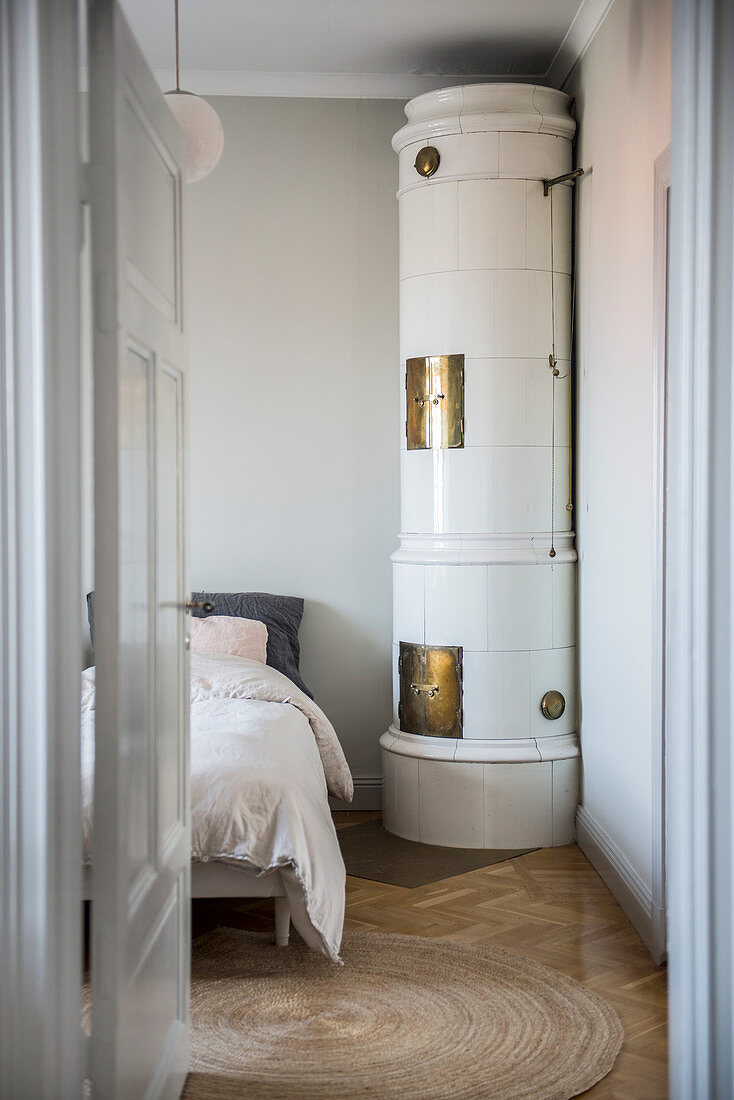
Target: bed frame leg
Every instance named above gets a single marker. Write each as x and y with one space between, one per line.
282 921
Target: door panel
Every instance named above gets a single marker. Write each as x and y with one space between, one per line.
431 692
141 856
434 387
135 725
170 625
149 182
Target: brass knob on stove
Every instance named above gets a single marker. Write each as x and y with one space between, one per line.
552 705
427 161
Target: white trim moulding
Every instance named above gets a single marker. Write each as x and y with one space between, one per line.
657 564
40 522
367 795
580 34
623 881
207 82
699 575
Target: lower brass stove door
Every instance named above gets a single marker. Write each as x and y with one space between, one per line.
431 690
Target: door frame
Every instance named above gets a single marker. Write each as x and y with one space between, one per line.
41 1047
699 563
659 446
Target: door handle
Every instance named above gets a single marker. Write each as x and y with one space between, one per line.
429 689
199 605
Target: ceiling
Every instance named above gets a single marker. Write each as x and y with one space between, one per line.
377 48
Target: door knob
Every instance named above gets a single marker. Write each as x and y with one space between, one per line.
199 605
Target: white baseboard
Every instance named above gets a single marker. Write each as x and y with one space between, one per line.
367 794
628 888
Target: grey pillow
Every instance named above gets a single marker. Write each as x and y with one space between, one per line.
282 616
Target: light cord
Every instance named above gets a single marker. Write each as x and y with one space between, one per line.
175 34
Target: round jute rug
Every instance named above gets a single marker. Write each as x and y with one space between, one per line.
405 1018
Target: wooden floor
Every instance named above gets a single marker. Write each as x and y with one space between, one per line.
549 905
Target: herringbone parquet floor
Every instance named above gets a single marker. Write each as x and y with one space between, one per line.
551 906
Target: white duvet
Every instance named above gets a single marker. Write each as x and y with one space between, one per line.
262 758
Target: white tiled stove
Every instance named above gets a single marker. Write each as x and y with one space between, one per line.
479 278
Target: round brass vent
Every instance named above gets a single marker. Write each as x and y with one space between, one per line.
552 705
427 161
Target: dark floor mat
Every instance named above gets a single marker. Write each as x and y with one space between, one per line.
371 852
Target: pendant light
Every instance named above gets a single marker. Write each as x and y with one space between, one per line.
200 123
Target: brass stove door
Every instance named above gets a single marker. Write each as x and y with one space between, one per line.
431 690
418 407
434 402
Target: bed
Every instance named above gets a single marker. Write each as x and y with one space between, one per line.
264 759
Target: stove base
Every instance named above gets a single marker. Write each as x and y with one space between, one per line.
506 795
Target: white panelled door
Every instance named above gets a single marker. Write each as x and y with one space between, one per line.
141 857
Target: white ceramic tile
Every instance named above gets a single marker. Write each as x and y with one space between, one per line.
521 489
461 155
416 491
389 792
564 605
553 110
562 295
539 403
395 685
464 479
401 414
565 800
497 750
443 489
562 228
428 748
496 695
541 400
451 804
414 306
508 100
492 224
495 400
400 792
533 156
563 412
520 607
552 670
471 154
481 489
518 805
461 313
429 236
538 249
408 617
522 314
496 397
563 517
456 605
509 403
538 237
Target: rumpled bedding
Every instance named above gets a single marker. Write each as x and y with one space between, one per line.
263 759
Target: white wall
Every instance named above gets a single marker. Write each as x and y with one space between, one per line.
291 272
622 89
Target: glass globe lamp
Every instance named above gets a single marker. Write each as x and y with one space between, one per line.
202 130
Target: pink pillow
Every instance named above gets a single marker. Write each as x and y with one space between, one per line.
230 634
